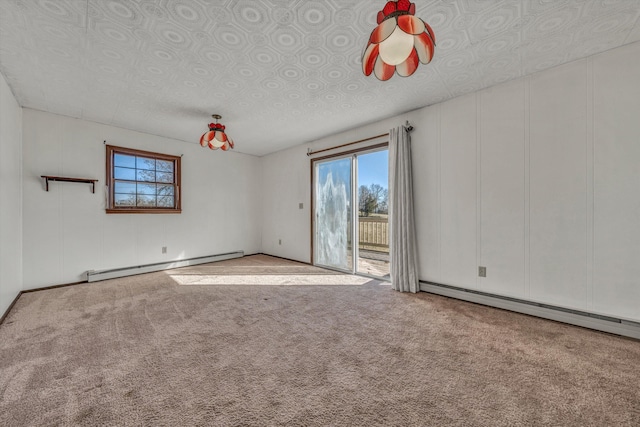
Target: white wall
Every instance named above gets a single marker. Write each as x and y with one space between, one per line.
286 183
537 179
67 232
10 197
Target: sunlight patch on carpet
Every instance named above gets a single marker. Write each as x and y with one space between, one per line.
271 280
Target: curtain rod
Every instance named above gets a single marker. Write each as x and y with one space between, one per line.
309 152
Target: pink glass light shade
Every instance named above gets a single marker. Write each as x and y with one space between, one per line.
399 43
216 138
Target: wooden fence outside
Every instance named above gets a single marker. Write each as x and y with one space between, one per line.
373 233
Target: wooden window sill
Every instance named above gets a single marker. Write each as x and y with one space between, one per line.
143 211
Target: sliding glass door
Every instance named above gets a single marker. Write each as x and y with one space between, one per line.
350 205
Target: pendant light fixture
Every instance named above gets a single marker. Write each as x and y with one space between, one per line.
216 137
399 42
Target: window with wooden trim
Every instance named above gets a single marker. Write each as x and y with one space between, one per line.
142 181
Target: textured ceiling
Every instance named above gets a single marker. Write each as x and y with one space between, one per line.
280 72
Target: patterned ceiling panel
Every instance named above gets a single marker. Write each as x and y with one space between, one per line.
290 66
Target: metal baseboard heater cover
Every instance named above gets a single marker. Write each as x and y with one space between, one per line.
97 275
624 327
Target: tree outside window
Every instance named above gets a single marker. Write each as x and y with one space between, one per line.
372 199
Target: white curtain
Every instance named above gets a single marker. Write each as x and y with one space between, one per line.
403 246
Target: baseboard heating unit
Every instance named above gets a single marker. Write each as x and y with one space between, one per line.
624 327
97 275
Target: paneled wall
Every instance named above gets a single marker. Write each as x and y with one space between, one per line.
557 186
501 184
614 181
67 232
285 184
537 179
458 204
10 197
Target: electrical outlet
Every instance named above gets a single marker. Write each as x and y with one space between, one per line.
164 249
279 241
482 271
300 205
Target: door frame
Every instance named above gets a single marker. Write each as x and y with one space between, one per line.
312 205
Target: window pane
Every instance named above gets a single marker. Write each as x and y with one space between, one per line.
125 187
165 202
124 161
165 190
124 173
146 175
164 166
140 182
147 189
145 163
146 201
125 200
164 177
